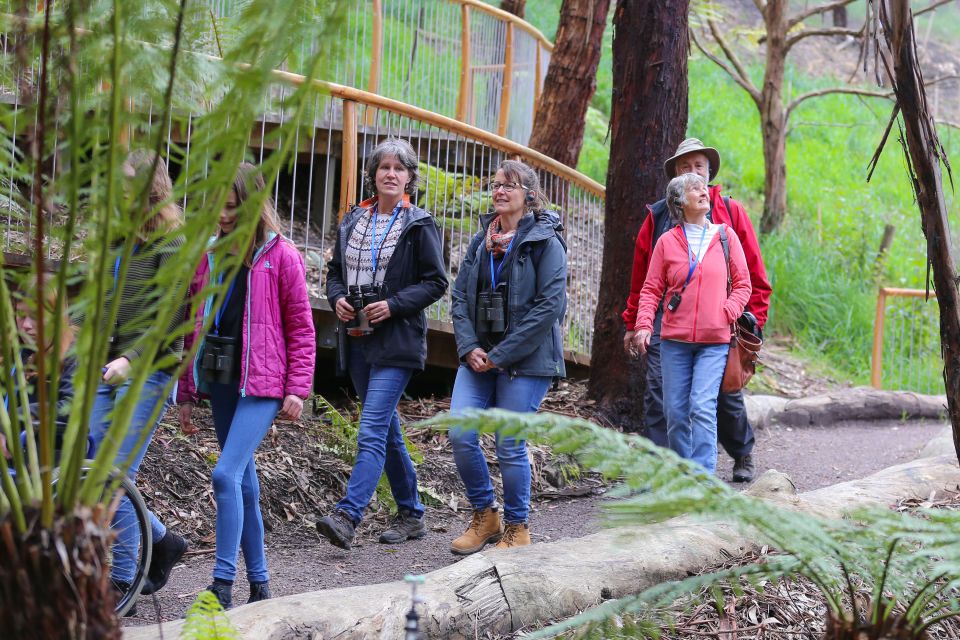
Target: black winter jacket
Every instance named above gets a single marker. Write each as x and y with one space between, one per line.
415 278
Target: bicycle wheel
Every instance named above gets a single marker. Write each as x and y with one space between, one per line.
132 542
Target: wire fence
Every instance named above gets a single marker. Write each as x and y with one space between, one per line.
906 343
457 163
459 58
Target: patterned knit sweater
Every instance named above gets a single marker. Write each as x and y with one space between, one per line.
139 301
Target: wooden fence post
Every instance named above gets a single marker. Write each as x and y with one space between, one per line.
507 83
876 365
463 99
348 155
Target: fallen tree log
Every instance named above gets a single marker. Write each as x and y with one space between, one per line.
858 403
500 592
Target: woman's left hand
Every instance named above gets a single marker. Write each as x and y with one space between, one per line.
292 408
377 312
116 371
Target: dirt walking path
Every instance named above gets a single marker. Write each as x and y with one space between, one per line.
813 457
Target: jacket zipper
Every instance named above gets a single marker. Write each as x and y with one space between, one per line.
246 352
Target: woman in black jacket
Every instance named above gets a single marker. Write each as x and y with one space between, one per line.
386 269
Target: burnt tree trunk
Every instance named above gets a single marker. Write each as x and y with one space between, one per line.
773 118
648 121
840 17
516 7
571 80
924 155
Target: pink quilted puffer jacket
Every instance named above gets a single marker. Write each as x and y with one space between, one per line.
278 345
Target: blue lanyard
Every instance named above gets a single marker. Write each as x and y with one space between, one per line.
494 275
374 246
692 260
116 266
226 301
6 400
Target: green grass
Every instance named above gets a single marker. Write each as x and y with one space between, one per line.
821 264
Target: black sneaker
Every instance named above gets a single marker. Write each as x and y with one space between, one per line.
338 528
223 591
405 526
743 469
259 591
166 554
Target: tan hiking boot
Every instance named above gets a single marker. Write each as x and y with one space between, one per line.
515 535
484 528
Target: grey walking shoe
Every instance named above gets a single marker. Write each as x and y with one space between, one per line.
405 526
743 469
338 528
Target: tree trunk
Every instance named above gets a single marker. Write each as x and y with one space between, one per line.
924 155
516 7
571 80
55 584
840 17
648 121
773 119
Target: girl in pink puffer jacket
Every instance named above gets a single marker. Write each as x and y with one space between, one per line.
256 360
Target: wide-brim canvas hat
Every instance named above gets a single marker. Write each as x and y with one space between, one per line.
691 145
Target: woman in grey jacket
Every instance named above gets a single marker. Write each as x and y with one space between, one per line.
508 301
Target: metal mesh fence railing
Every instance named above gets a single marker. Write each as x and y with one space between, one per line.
421 57
906 350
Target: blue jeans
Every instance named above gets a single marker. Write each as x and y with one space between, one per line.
127 542
691 381
734 432
241 424
497 389
380 446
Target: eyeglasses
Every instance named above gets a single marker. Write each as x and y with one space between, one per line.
507 187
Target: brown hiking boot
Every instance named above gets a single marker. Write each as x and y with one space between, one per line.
516 535
485 527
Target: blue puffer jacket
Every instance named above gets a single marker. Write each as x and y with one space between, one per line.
537 299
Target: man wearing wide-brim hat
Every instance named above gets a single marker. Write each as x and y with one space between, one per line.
733 428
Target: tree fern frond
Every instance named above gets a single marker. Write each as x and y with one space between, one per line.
206 620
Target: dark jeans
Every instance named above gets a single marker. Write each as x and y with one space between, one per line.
734 432
380 445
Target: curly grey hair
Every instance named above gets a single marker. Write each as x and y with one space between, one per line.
400 149
677 194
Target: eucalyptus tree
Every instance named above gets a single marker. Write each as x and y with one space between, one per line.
86 82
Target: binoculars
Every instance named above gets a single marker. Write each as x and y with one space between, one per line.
219 356
490 311
359 297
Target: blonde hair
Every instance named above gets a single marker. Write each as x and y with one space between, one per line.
30 297
249 180
164 213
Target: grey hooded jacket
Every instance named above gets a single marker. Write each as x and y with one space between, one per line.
537 299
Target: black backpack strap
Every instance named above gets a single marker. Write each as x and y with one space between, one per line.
725 244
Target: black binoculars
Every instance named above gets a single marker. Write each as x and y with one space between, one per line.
490 311
219 353
360 297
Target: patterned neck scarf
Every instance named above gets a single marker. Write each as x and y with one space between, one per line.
497 239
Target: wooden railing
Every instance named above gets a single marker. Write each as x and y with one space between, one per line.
914 342
495 61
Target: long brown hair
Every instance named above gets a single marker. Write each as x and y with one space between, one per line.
29 297
249 180
164 213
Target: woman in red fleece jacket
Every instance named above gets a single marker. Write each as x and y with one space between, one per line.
688 275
